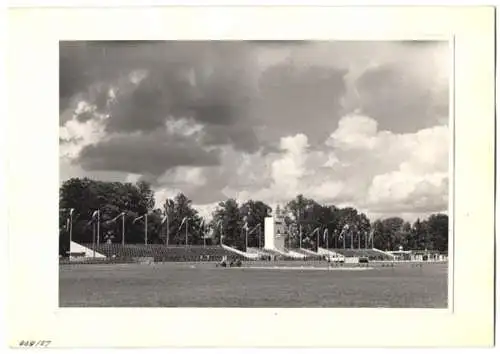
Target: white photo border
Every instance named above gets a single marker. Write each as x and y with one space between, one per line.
34 161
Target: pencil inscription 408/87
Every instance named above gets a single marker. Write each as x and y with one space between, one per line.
34 343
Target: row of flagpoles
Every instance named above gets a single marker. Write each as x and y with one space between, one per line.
95 221
369 239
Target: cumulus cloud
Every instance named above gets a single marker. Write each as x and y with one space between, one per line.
398 192
402 172
76 133
377 171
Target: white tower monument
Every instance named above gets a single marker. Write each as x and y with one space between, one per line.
274 231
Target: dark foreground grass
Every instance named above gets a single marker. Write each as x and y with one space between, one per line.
204 285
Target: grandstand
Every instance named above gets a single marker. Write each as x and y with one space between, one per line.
162 253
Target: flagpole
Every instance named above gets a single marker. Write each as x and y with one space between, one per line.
146 229
343 238
352 240
317 239
187 220
203 234
93 240
359 240
123 229
168 227
246 236
300 235
70 232
221 234
98 221
327 239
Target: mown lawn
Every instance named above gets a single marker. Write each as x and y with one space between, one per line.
204 285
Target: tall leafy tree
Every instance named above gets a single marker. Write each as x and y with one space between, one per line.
418 235
228 224
255 212
167 228
183 210
379 235
111 198
438 232
391 228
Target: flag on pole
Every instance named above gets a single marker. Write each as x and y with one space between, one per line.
165 218
138 218
182 222
68 219
211 229
313 231
325 235
219 224
94 216
344 230
115 218
202 225
254 228
245 226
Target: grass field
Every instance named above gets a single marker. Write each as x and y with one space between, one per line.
205 285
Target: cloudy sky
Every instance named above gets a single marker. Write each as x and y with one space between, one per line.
363 124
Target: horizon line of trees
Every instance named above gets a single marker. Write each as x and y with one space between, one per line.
238 225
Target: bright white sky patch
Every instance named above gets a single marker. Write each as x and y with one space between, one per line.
77 135
183 126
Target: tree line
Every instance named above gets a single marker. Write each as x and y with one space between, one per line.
309 223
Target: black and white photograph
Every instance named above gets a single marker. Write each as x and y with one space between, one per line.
255 173
256 177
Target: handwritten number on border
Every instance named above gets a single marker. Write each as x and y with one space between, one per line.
34 343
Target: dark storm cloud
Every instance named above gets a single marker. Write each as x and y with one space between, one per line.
392 97
82 63
301 100
219 96
145 154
